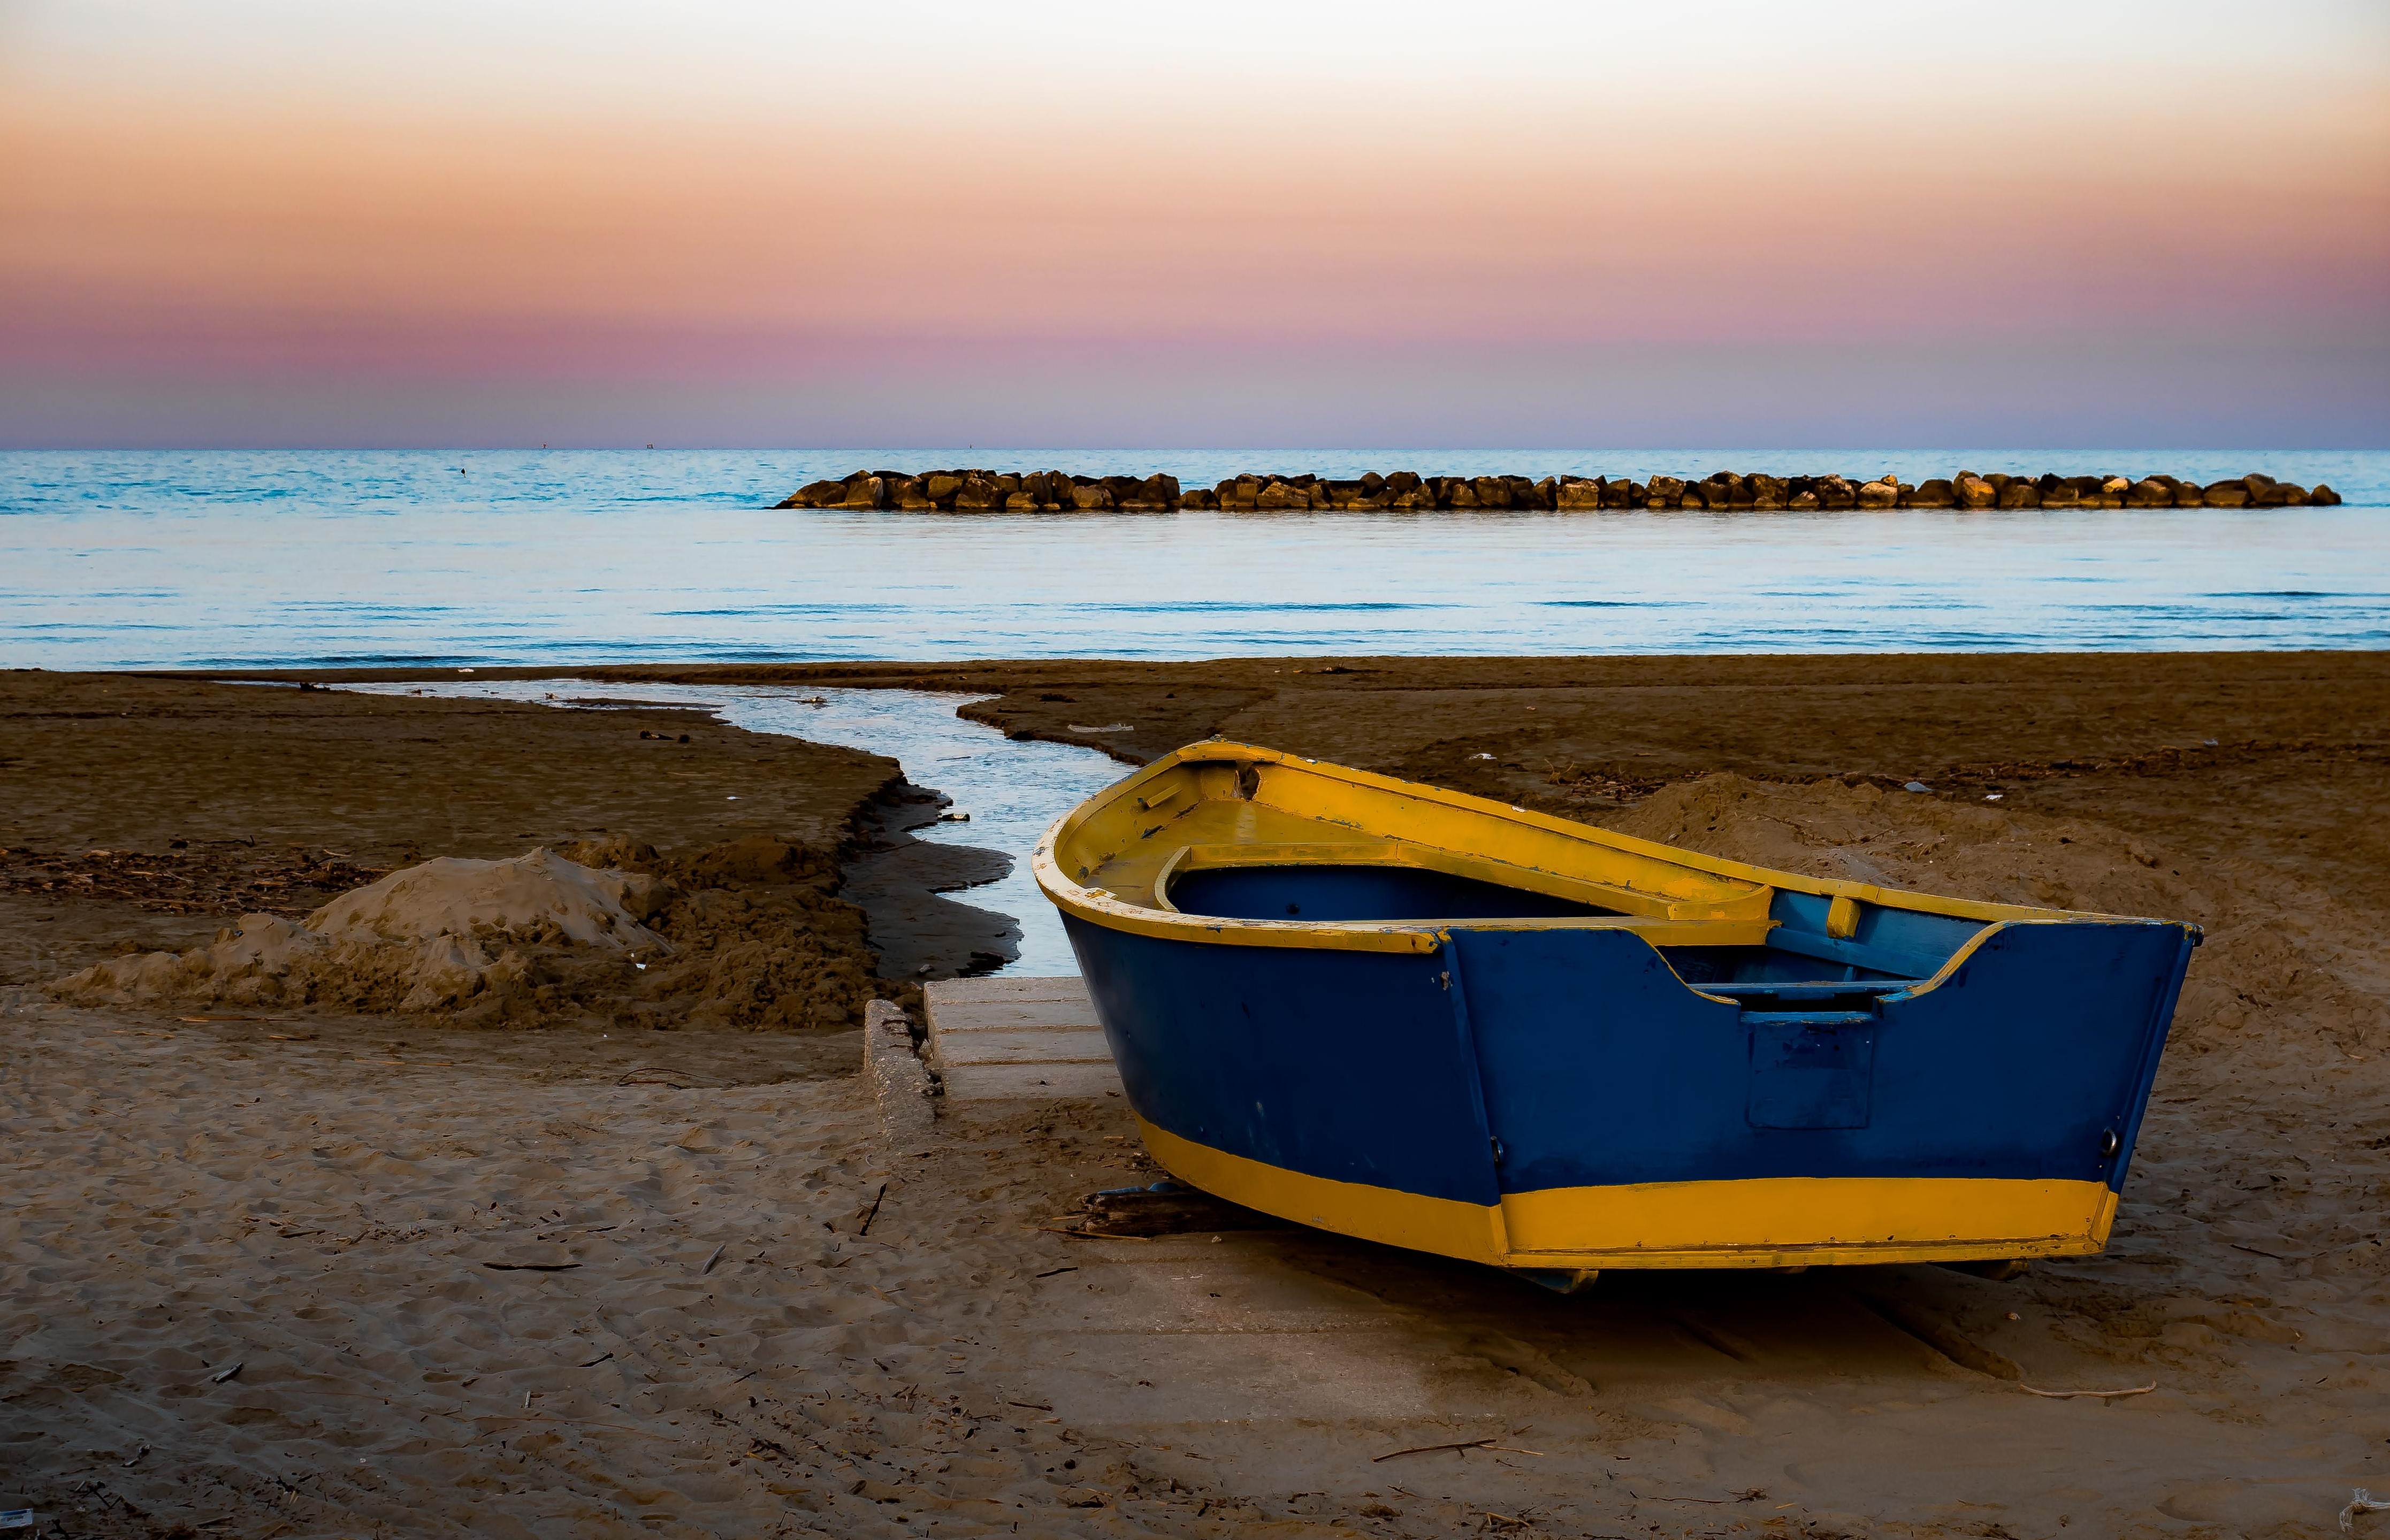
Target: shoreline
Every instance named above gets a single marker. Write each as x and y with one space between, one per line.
2122 736
2048 730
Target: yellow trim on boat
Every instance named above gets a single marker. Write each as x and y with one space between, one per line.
1789 1221
1471 1231
1866 1218
1236 804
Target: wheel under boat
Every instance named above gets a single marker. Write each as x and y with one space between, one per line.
1436 1021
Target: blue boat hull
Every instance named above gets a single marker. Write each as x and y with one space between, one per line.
1564 1099
1412 1015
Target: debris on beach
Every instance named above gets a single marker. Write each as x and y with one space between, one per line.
1405 491
184 879
2359 1501
1161 1208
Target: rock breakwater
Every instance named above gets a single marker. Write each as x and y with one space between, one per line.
1061 492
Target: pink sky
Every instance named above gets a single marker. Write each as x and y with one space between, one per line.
1572 226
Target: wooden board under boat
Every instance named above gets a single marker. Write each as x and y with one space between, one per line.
1429 1019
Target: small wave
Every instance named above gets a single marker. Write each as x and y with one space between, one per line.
1612 604
1240 607
786 611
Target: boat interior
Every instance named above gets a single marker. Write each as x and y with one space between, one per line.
1222 838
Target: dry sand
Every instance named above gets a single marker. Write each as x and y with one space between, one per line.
318 1197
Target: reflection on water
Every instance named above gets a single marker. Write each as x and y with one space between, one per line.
1012 790
140 560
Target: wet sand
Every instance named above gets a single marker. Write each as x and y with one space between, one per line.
720 1349
144 812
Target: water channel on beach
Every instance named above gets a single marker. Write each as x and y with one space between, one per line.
1012 789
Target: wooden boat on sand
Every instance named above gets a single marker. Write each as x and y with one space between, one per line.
1432 1020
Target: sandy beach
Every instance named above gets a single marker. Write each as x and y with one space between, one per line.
283 1269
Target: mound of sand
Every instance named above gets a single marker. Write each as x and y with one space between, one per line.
424 938
743 935
2272 954
455 897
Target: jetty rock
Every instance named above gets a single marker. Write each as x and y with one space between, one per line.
814 494
982 491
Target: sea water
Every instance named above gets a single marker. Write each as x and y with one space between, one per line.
124 559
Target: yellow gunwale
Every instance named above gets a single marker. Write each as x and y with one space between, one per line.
1717 902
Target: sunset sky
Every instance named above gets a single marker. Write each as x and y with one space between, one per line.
435 222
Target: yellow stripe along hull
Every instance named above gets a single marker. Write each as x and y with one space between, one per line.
1780 1220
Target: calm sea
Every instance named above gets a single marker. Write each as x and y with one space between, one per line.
128 559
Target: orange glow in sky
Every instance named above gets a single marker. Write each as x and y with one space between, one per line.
732 223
